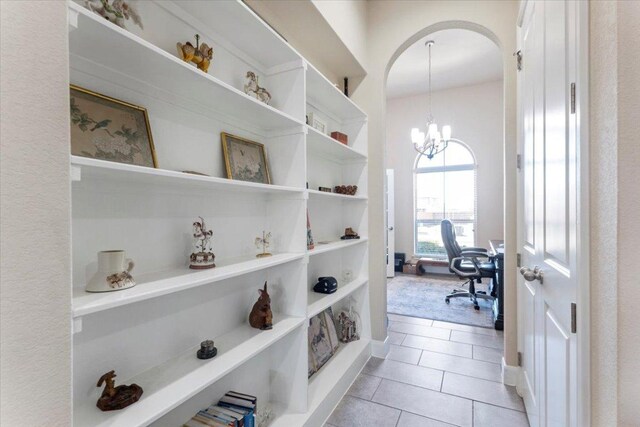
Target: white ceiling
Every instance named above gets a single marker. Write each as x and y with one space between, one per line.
459 58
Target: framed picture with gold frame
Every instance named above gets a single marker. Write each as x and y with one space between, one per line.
106 128
245 160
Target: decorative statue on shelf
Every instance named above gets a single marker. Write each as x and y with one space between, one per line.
116 11
203 256
349 190
116 397
261 316
263 243
349 234
207 350
201 55
252 88
348 325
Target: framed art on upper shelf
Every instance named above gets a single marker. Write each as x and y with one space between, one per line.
106 128
245 160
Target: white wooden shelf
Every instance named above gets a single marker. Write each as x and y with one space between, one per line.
324 146
155 285
156 72
140 66
322 383
315 194
318 302
226 17
321 248
168 385
323 95
100 172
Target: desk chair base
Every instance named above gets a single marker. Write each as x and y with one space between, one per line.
472 294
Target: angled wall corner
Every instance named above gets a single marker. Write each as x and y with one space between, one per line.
331 34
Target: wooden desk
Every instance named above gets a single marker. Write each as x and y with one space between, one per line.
497 285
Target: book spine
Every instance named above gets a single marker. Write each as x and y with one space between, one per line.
238 402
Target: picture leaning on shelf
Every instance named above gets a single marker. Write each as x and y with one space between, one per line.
322 339
106 128
245 160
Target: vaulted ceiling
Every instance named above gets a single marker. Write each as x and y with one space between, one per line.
459 58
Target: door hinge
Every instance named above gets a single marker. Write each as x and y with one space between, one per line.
519 358
574 326
518 55
518 260
573 98
519 161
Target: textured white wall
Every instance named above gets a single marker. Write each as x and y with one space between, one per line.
392 26
628 212
475 114
615 203
35 367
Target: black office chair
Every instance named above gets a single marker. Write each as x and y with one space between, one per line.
469 263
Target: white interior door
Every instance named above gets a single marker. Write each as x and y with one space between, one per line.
391 245
548 217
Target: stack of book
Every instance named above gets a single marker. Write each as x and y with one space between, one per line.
232 410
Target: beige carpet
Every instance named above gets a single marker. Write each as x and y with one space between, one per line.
423 296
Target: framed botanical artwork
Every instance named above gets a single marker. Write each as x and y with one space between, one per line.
106 128
323 340
245 160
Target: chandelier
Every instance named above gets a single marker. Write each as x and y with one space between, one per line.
433 142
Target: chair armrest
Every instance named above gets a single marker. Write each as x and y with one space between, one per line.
474 254
473 249
461 273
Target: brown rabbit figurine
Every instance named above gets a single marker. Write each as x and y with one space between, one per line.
261 316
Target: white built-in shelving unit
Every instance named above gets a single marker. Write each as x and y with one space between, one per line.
149 333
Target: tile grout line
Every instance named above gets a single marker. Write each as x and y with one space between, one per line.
449 341
409 412
439 391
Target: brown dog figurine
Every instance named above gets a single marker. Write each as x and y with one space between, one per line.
261 316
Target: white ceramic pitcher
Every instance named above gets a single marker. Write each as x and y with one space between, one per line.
113 272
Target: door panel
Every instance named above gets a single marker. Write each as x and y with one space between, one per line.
557 374
391 234
547 224
555 134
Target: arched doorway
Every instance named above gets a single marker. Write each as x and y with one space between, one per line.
468 94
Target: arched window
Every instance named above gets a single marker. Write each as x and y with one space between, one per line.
445 188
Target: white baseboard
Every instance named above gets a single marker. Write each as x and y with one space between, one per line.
510 374
380 349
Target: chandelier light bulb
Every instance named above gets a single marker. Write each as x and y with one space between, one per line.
446 132
433 129
415 136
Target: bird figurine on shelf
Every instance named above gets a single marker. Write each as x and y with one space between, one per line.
120 397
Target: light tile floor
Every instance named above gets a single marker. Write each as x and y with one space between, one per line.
436 374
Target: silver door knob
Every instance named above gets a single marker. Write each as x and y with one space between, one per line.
390 228
531 275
